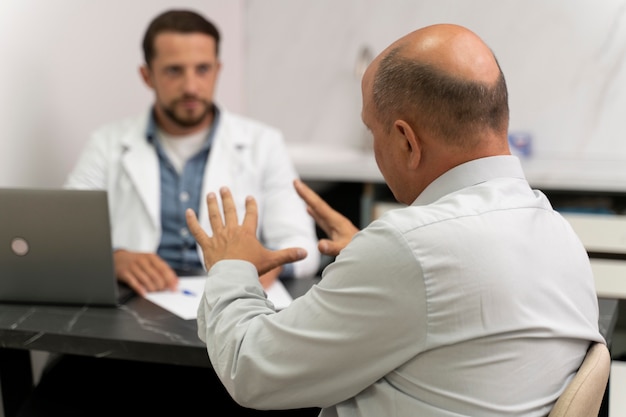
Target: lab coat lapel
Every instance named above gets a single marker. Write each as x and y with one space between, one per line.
141 164
225 165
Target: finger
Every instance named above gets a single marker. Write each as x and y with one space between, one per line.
304 191
228 205
137 270
310 197
146 268
194 227
321 222
328 247
285 256
215 218
166 276
152 269
132 282
268 278
317 208
251 218
172 282
122 260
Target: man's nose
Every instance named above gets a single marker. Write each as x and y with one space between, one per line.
190 82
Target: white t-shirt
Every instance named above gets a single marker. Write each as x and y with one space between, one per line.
180 148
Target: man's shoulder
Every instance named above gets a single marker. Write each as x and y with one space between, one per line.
234 121
128 125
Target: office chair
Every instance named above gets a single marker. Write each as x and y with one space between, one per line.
583 396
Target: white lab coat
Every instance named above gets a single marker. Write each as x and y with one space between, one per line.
248 157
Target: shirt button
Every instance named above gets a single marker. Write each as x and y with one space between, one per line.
184 232
184 196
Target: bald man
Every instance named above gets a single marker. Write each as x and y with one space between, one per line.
476 299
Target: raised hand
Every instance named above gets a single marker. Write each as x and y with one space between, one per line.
233 241
337 227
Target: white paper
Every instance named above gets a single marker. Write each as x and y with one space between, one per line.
184 302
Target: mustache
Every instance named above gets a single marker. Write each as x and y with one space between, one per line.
191 97
187 97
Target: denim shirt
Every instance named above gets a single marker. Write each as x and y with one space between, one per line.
178 193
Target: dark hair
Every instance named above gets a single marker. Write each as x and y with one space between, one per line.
453 108
180 21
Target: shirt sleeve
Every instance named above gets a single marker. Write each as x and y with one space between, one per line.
366 317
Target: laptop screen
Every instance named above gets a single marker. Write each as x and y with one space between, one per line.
55 247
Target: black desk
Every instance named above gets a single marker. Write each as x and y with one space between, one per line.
138 330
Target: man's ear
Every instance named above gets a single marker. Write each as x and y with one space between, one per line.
411 143
144 71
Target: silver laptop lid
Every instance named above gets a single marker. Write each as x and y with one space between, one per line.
55 247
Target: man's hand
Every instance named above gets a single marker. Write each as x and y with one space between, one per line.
268 278
337 227
233 241
144 272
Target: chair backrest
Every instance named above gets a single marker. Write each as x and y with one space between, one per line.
583 395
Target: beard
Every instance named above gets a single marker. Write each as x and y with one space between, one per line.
184 118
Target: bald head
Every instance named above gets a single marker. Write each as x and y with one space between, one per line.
445 80
453 50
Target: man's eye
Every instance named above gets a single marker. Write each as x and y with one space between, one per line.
172 71
203 69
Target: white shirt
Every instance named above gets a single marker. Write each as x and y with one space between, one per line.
476 300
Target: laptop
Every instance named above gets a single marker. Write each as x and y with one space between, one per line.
55 248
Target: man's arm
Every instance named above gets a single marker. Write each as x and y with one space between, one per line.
331 331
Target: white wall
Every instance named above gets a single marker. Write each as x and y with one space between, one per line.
564 61
70 65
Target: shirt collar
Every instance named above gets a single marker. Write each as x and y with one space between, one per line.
471 173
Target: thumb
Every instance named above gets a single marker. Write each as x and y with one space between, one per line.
288 255
280 257
328 247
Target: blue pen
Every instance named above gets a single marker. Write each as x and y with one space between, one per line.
187 292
